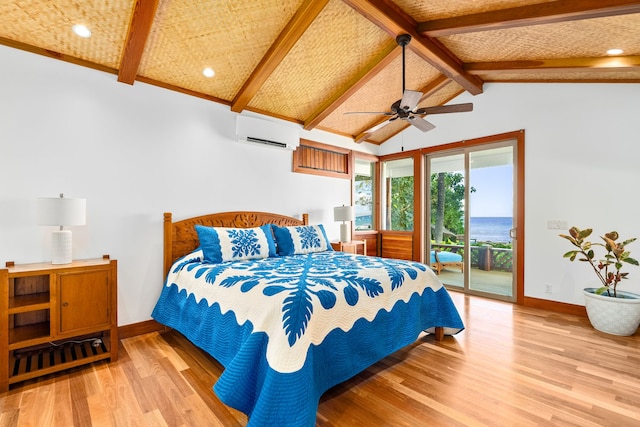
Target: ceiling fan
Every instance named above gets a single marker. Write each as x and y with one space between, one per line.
405 108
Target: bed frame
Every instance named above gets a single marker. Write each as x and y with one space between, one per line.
180 237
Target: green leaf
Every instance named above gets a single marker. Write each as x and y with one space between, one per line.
584 233
626 242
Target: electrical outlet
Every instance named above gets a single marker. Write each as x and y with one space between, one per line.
557 224
548 288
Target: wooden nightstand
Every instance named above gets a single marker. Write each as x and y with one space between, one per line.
351 246
55 317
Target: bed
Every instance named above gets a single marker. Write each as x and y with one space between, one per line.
293 318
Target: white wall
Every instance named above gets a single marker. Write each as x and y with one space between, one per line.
133 152
582 155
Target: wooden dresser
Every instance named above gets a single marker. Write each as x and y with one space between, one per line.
55 317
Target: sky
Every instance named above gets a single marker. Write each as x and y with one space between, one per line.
494 191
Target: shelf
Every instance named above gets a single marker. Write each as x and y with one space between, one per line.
22 336
24 366
29 302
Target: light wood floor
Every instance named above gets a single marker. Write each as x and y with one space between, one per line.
512 366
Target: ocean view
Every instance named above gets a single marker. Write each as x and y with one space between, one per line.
490 229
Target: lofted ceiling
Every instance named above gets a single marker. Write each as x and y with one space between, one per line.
311 61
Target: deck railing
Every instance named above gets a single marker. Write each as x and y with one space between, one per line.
484 257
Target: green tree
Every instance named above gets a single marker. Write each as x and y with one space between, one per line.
447 203
400 216
448 209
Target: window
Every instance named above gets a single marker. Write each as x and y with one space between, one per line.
364 194
397 195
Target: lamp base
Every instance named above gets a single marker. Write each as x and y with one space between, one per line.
61 247
344 233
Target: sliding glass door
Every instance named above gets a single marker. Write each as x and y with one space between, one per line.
471 214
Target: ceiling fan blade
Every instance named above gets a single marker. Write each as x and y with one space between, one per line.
410 99
367 133
440 109
420 123
385 113
377 127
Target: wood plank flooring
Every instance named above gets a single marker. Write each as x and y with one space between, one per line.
512 366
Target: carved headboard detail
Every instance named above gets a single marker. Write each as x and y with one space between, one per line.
180 237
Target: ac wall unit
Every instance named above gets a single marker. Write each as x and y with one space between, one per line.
265 132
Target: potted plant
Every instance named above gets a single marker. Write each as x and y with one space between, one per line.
609 310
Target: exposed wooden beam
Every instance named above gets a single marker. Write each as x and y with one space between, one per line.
379 63
56 55
364 135
394 21
175 88
294 29
534 14
606 64
141 20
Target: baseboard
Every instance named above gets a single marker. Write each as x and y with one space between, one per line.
140 328
559 307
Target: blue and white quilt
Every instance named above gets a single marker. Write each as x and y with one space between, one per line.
288 328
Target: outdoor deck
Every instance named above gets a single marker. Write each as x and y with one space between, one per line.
495 282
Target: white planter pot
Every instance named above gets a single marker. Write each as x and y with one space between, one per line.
616 316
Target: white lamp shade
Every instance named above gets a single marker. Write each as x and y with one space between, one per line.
62 211
343 213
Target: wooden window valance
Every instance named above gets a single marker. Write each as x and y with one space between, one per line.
322 159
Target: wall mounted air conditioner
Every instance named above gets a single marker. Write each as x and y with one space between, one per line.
257 131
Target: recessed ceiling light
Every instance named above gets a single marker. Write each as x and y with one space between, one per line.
82 31
614 51
208 72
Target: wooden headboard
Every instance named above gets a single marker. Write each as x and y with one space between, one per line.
180 237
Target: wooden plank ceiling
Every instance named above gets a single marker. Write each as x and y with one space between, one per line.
311 61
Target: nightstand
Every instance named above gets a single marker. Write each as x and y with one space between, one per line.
56 316
351 246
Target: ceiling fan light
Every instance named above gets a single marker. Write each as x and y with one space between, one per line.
82 31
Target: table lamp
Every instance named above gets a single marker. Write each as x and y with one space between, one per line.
61 211
344 214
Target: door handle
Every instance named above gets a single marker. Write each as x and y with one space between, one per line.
512 233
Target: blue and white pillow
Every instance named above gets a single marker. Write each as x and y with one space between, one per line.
221 244
302 239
